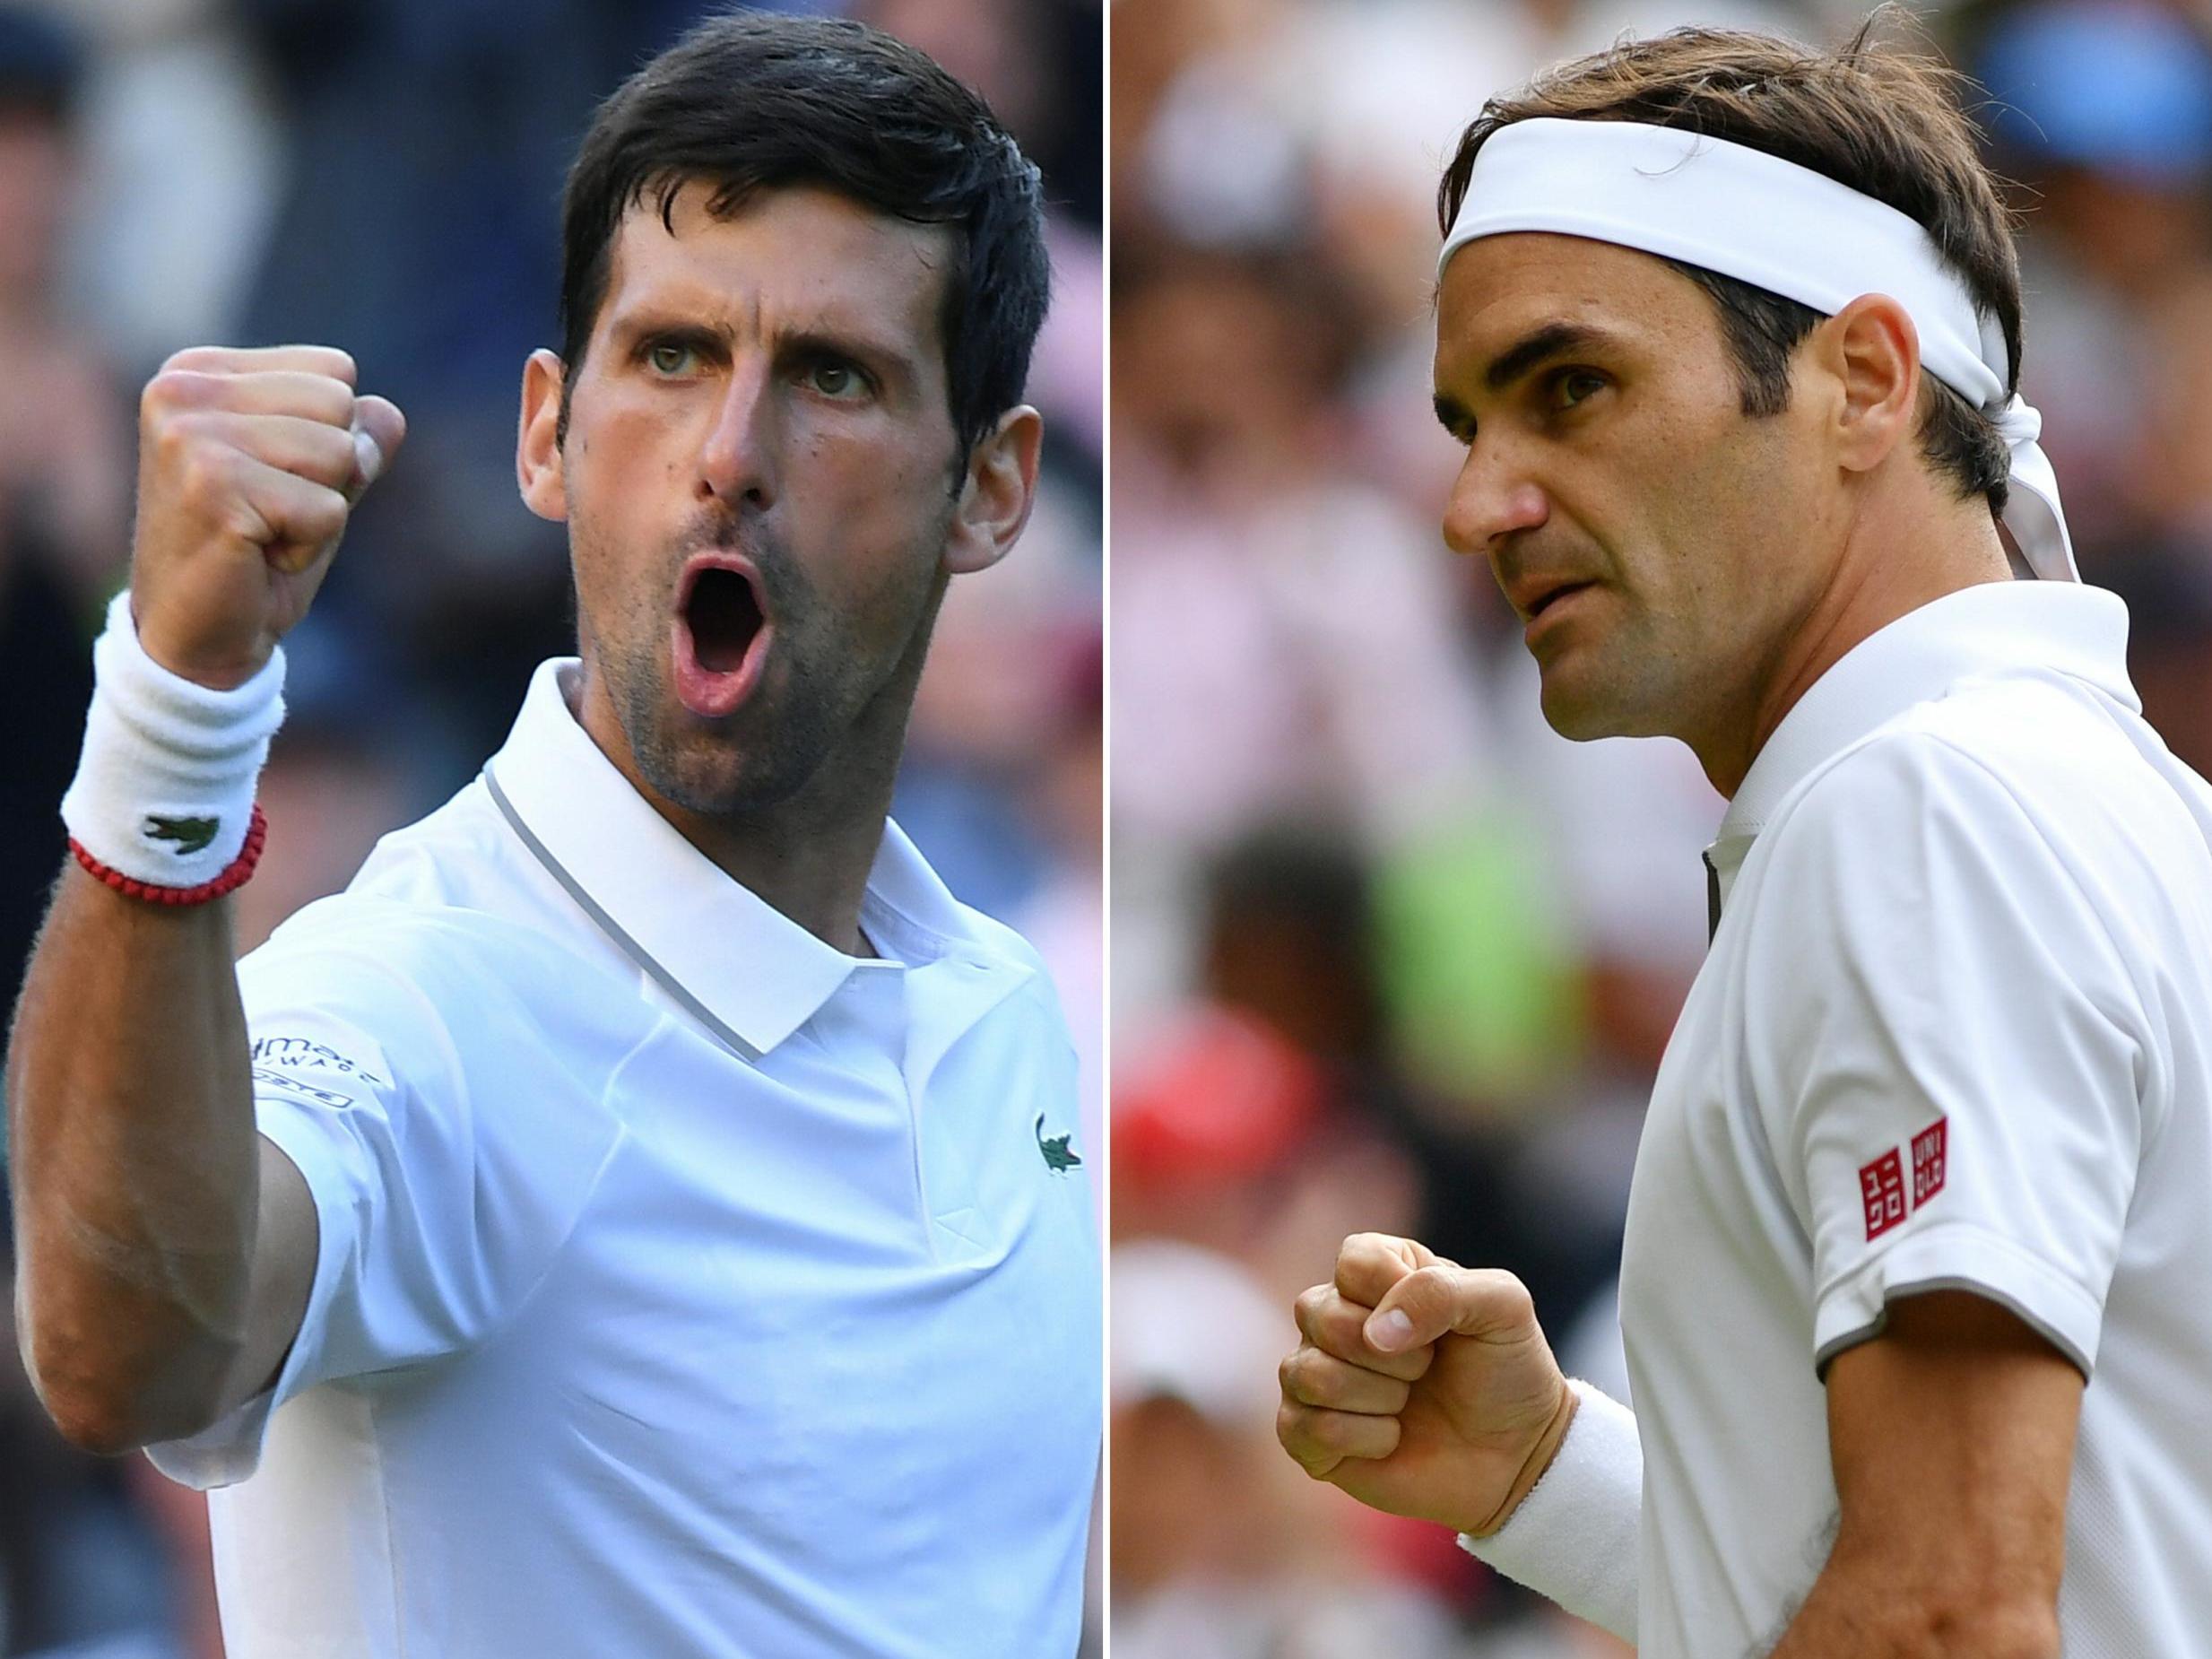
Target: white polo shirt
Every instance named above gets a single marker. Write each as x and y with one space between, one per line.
685 1286
1952 1032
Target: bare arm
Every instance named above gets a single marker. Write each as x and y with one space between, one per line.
1953 1440
165 1251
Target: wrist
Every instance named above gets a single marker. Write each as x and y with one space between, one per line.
1541 1454
163 797
1575 1535
218 672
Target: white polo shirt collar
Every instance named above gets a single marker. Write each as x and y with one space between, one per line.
741 966
2063 628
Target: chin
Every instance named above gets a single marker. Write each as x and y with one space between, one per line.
1583 713
1574 711
725 775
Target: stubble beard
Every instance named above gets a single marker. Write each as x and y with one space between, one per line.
816 687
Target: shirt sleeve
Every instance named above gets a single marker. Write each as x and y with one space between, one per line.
1956 1053
444 1182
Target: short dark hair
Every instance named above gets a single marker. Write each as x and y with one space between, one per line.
751 101
1883 120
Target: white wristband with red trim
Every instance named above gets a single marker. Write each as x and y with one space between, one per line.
164 790
1572 1538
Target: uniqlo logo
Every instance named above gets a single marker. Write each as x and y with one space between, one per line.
1882 1184
1928 1159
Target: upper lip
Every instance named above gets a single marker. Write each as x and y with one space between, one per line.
1531 594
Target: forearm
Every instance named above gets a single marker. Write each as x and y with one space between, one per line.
133 1163
1862 1614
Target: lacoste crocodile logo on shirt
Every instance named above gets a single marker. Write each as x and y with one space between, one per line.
1057 1158
191 835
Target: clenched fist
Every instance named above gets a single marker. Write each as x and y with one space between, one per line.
1423 1388
249 463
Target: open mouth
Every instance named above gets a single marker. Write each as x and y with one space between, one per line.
720 635
723 616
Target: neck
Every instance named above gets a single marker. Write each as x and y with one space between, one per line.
808 855
1894 558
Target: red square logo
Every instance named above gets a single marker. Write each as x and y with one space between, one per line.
1882 1184
1927 1161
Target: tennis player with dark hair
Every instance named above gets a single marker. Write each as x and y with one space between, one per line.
1915 1282
641 1215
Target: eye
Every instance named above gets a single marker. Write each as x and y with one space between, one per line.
670 357
834 379
1569 387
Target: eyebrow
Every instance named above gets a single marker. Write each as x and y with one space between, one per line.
649 322
1531 351
1552 340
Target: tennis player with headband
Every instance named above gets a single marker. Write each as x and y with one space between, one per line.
1913 1282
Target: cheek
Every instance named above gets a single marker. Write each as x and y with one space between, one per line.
869 516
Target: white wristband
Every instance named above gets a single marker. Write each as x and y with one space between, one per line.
1572 1538
164 790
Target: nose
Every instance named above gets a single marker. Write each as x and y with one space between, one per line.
1491 498
737 462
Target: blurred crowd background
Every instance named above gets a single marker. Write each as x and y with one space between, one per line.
1388 954
385 175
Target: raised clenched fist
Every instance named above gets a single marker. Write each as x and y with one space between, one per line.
249 463
1423 1388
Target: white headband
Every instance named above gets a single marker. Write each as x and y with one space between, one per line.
1741 213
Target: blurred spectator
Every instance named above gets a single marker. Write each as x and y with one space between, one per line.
1221 1547
64 470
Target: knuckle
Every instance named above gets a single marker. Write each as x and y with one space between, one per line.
321 513
192 359
1511 1296
1333 1431
330 453
172 388
1424 1291
171 434
1293 1428
204 472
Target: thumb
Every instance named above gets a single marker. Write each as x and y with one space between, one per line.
379 430
1444 1300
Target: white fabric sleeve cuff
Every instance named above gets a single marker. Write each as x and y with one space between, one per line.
1959 1256
1572 1538
164 790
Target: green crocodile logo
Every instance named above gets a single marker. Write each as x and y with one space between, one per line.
1057 1158
191 835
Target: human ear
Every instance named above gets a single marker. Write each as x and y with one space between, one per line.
996 492
1873 350
537 446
